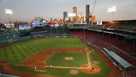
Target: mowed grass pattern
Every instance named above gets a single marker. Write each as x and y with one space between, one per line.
17 52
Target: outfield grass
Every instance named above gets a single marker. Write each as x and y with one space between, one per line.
17 52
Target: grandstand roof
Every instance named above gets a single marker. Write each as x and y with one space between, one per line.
117 58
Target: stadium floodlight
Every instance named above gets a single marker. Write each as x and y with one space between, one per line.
8 11
112 9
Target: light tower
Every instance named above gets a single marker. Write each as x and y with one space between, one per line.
9 13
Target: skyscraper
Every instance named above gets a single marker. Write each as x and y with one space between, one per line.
65 15
87 13
75 10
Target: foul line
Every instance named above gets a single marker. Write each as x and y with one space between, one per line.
58 67
88 57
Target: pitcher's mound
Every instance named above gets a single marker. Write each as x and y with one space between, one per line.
90 69
69 58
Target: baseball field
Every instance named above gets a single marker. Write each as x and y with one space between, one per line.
52 57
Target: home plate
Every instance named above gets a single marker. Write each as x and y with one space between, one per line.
74 72
69 58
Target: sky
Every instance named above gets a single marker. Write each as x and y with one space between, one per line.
28 9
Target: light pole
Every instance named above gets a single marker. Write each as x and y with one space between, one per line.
9 13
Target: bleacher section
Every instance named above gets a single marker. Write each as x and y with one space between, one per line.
50 31
8 37
13 36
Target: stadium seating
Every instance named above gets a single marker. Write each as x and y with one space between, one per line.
126 47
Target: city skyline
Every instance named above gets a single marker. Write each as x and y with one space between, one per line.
28 9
